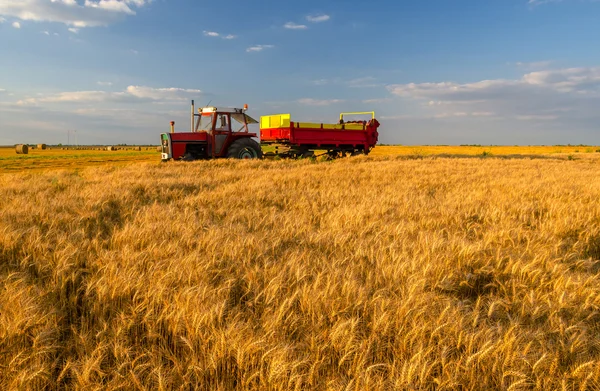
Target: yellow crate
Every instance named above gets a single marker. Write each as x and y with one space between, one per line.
275 121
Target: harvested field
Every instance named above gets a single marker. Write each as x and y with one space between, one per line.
58 158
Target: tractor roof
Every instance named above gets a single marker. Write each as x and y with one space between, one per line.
220 110
237 114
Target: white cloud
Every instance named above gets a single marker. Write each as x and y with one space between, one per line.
214 34
134 52
170 94
318 102
259 48
2 20
72 97
74 30
131 94
16 25
71 12
318 18
109 5
582 80
104 83
548 95
46 32
442 89
294 26
377 100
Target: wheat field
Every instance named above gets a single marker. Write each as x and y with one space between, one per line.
368 273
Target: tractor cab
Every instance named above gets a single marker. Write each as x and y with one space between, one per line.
214 132
222 119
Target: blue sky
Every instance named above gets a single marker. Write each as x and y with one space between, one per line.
435 71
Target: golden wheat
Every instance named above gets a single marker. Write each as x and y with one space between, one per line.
362 274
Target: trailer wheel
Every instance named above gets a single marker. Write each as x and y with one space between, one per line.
244 148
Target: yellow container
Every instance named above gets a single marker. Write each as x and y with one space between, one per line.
275 121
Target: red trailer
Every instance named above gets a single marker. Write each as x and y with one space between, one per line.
303 138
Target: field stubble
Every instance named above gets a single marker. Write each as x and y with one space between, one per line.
71 158
361 274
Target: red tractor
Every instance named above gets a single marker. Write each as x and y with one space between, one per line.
215 132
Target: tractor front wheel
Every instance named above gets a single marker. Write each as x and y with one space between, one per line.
244 148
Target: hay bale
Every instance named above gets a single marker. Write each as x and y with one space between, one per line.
22 149
110 149
138 148
158 149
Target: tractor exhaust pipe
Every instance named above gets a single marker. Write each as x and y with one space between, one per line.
172 126
192 119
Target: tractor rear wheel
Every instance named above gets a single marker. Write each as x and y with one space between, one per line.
244 148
